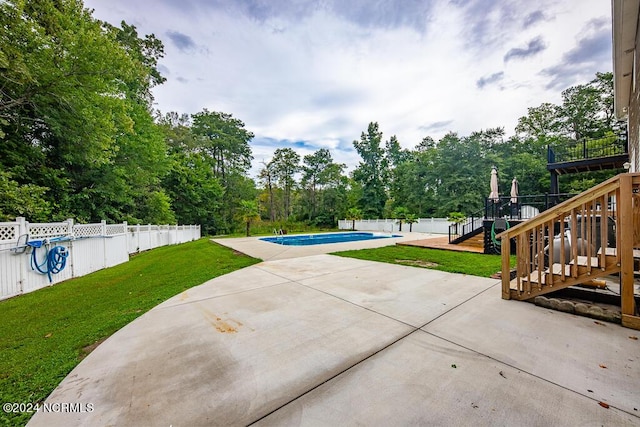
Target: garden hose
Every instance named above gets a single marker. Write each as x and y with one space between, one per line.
497 244
55 259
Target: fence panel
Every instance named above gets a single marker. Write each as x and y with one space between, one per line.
91 247
87 255
115 250
424 225
144 241
12 272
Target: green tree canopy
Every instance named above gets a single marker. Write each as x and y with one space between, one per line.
371 171
286 163
74 110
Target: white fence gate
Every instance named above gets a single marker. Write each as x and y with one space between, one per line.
91 247
424 225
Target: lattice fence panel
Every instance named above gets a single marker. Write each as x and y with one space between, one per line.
116 229
9 232
87 230
48 230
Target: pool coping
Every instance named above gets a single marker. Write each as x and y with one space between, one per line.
323 237
267 251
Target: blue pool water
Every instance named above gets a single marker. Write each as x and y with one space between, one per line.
321 239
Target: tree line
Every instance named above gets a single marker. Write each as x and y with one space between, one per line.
436 178
79 138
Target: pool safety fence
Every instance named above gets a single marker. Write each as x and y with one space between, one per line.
424 225
85 248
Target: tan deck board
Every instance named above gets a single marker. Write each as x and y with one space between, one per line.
441 243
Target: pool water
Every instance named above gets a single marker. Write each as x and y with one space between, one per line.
324 238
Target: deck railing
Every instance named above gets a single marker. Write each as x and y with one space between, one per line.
590 235
503 207
471 223
524 208
610 145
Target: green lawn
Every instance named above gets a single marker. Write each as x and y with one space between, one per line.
45 334
454 262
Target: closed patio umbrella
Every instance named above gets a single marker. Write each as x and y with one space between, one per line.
494 185
514 198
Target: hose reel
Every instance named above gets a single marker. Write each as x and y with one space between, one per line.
497 227
55 258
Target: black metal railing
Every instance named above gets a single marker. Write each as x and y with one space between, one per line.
503 207
470 224
571 151
526 206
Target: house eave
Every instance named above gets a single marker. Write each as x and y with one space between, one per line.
625 25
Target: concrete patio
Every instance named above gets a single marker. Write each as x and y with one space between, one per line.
317 339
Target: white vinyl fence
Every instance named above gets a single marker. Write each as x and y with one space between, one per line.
90 247
424 225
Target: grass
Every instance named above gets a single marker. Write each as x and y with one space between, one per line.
454 262
45 334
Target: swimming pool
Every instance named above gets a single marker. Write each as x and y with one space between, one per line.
321 239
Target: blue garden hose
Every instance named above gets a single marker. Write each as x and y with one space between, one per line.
54 262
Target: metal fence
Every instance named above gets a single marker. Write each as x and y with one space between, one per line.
87 248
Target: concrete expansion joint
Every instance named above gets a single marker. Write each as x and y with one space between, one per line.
337 374
526 372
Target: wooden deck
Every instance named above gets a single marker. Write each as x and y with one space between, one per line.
441 243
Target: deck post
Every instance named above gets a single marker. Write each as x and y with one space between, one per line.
505 253
625 245
554 186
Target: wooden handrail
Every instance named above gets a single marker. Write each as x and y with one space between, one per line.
575 202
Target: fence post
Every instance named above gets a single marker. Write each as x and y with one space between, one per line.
22 229
126 236
72 253
103 236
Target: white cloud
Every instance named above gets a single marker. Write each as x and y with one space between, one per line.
321 72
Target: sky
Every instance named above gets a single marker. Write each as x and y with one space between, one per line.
311 74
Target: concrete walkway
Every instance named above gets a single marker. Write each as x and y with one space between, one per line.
325 340
266 251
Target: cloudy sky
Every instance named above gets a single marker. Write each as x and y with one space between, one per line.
311 74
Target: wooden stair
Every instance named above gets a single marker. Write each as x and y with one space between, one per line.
560 276
467 236
475 241
572 234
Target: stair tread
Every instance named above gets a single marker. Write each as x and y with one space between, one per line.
614 252
583 261
534 278
556 269
539 285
